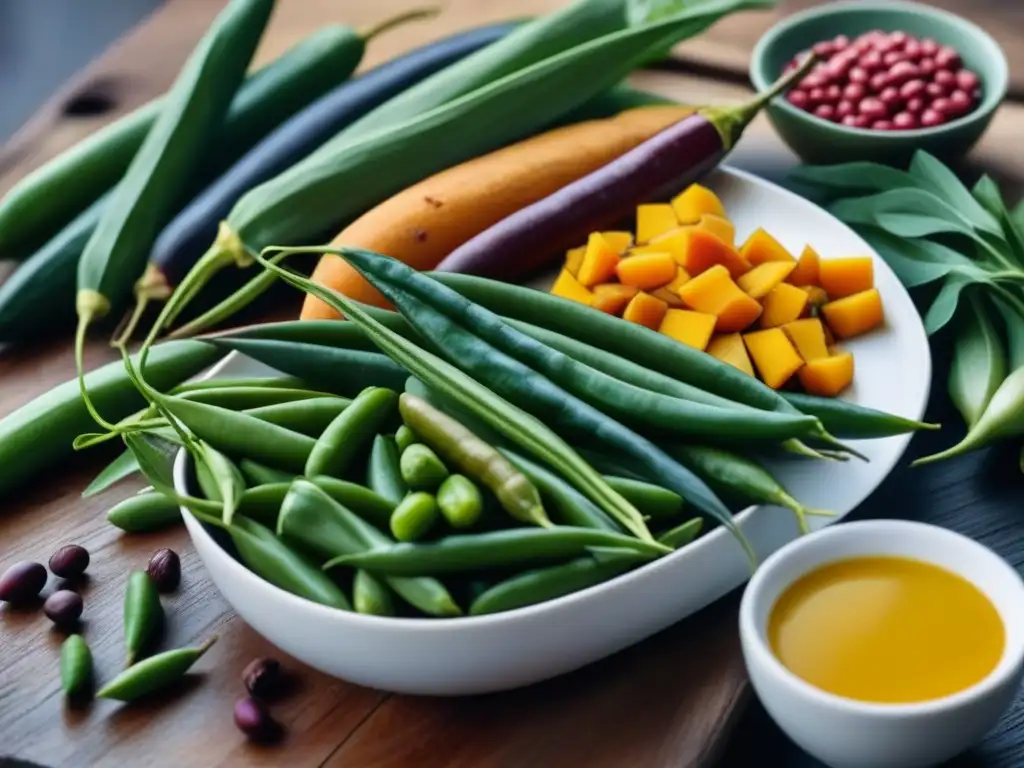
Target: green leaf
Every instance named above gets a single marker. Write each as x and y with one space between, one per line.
942 182
1017 217
646 11
852 177
124 465
918 262
944 307
986 192
155 457
1013 323
905 212
979 361
227 477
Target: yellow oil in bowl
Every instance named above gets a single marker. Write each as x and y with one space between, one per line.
886 630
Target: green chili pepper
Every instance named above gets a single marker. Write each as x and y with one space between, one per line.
326 526
405 437
652 500
497 549
371 596
383 473
258 474
460 501
143 513
346 437
153 674
76 675
543 584
855 422
682 534
421 468
143 615
307 417
414 516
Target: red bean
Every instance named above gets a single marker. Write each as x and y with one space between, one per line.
845 108
824 49
840 42
813 80
915 106
967 80
881 125
833 93
871 61
960 102
931 118
899 38
912 51
926 66
943 76
816 95
838 69
858 75
891 98
879 81
854 92
856 121
929 47
935 90
798 99
912 88
902 71
943 106
904 120
873 109
947 58
825 111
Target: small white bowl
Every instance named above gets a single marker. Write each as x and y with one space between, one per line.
845 733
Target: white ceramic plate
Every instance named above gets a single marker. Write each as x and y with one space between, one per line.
490 653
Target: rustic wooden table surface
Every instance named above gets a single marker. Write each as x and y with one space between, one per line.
675 700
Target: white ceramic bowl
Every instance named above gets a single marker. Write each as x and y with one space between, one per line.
845 733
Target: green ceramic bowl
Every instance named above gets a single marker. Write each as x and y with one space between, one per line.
819 141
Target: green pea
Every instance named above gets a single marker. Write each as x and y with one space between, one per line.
460 501
421 467
75 667
154 673
143 615
345 438
383 472
405 437
150 511
371 596
414 517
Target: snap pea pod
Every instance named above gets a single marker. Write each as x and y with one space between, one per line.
851 421
76 675
259 474
143 615
654 501
153 674
414 516
460 501
144 513
405 437
518 426
307 417
682 534
544 584
328 527
383 473
371 596
347 436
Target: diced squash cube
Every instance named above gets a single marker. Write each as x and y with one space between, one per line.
855 314
669 297
645 309
654 219
713 292
718 226
682 278
574 259
761 247
647 270
783 304
599 261
675 241
827 376
845 277
774 356
806 272
620 241
808 336
695 201
817 296
692 328
704 250
612 297
761 279
729 348
568 287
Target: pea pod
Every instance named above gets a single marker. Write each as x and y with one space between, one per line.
497 549
855 422
154 674
414 516
459 501
384 474
654 501
307 417
258 474
371 596
224 476
372 507
143 615
76 675
421 468
405 437
346 437
144 513
247 397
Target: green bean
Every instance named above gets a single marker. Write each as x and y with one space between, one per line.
372 507
460 501
495 549
414 516
654 501
224 476
258 474
153 674
346 437
143 513
309 509
543 584
143 615
242 398
383 473
76 675
421 468
222 382
371 596
481 462
307 417
405 437
855 422
682 534
573 507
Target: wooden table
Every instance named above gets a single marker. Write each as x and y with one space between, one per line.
670 701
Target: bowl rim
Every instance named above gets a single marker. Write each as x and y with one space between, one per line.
754 640
994 91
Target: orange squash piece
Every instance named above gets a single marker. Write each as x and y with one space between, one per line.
854 315
599 261
669 297
647 270
783 304
645 309
845 277
691 328
806 272
718 226
682 278
774 356
574 259
827 376
808 336
817 298
729 348
713 292
761 247
695 201
568 287
704 250
620 241
675 241
759 281
653 220
612 297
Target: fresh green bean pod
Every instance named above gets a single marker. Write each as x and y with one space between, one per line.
654 501
682 534
143 615
145 513
383 472
218 382
258 474
248 397
460 501
372 507
421 468
494 549
307 417
347 436
405 437
153 674
850 421
371 596
76 673
224 476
